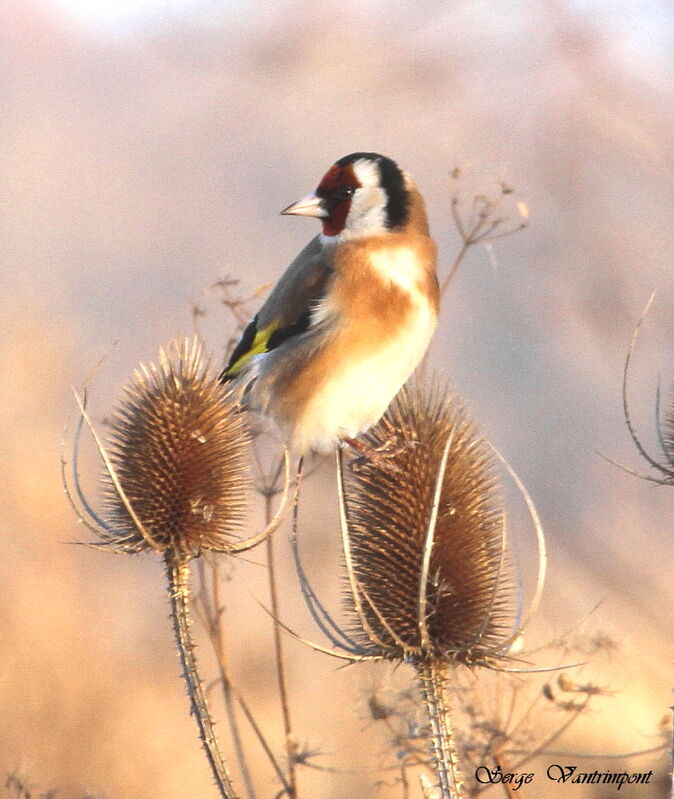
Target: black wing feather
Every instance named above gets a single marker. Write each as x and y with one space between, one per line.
245 343
288 309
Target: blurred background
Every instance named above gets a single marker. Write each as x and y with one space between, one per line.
146 149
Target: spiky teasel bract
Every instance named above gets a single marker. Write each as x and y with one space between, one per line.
664 425
425 537
664 421
178 443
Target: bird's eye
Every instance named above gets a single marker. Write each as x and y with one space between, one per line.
344 192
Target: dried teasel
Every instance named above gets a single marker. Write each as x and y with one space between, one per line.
178 447
425 542
425 549
175 476
428 576
175 481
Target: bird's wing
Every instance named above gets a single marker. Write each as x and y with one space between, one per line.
287 311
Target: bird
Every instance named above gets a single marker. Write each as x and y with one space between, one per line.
351 317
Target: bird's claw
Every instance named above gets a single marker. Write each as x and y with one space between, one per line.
382 456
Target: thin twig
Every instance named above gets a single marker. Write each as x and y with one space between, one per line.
211 618
278 652
593 755
626 411
514 791
215 632
480 226
263 742
272 522
554 736
540 542
455 266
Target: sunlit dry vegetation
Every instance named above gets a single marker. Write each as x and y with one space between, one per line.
141 177
430 576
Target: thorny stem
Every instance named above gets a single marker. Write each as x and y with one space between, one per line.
432 676
280 663
177 570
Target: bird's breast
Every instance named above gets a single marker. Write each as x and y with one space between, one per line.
384 323
379 282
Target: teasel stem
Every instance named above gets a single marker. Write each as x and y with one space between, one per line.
178 572
432 674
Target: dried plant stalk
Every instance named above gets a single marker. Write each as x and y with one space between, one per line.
177 570
483 223
429 580
432 675
175 482
664 471
426 536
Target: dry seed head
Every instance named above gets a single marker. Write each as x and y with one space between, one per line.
463 609
177 446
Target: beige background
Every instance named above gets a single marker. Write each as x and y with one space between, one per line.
141 162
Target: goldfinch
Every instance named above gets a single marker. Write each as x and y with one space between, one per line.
352 315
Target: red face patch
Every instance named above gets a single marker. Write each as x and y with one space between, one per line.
336 189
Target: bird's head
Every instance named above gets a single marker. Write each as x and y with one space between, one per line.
362 194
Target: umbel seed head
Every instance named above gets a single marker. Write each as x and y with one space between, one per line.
178 478
428 571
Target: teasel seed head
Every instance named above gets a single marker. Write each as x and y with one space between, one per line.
176 476
429 575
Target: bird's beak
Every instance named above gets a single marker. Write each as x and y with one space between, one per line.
311 205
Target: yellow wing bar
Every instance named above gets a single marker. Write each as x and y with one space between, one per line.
258 345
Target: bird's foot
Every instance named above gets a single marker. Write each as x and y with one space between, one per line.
382 456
